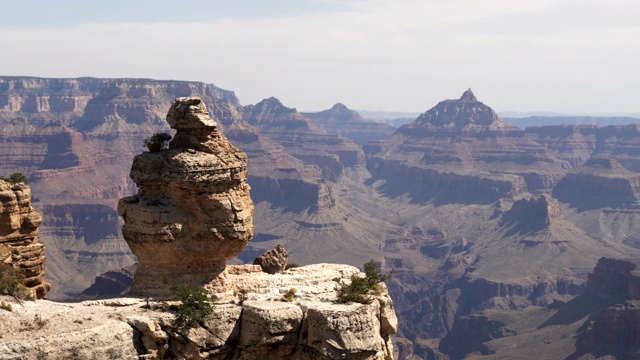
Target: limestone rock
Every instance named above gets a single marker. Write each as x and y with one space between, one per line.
193 210
19 243
262 326
274 260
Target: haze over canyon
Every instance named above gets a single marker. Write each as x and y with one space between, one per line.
505 241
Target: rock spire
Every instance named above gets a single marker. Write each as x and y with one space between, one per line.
468 96
459 113
20 247
193 210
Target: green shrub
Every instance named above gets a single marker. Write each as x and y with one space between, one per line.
373 273
195 305
290 295
357 290
11 283
6 306
15 178
157 142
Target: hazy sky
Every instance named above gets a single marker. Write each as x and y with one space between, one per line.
520 55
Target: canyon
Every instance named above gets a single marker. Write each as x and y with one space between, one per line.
486 224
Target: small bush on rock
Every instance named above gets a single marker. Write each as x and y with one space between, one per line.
357 290
15 178
11 283
195 305
157 142
290 295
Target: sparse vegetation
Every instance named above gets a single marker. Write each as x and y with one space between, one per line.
36 324
11 283
358 288
290 295
6 306
195 305
15 178
157 142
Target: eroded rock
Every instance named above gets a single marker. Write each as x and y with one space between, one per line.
273 261
20 246
193 210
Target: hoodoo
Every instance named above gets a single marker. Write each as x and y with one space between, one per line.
193 210
20 247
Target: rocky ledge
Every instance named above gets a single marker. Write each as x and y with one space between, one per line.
254 318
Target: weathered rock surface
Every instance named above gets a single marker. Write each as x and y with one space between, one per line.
607 182
20 247
192 211
255 323
450 154
273 261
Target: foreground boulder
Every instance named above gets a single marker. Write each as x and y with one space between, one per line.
273 261
193 210
20 247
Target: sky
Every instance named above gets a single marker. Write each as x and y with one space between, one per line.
564 56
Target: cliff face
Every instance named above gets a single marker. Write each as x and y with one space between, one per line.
192 211
608 183
614 330
44 100
20 247
462 149
303 140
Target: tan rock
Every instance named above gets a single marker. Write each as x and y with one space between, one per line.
268 322
338 330
273 261
20 246
193 210
265 326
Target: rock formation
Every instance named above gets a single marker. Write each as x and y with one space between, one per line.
341 120
192 211
303 140
450 154
436 200
608 183
20 247
613 301
273 261
530 214
253 319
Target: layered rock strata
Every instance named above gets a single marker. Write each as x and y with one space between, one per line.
343 121
302 139
20 247
606 181
461 151
193 210
615 283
